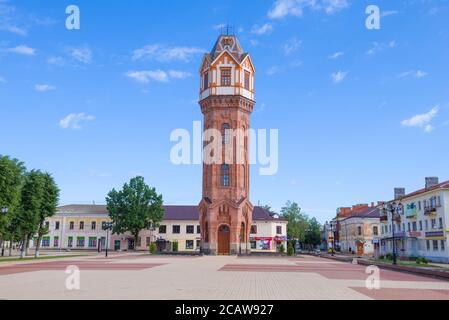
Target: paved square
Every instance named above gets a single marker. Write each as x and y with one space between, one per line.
137 276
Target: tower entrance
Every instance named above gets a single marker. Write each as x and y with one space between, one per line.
224 240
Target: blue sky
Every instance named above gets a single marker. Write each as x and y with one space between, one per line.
359 111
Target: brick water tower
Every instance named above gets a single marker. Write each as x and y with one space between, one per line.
227 101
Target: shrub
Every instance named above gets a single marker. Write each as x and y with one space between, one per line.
175 247
281 248
153 248
422 260
290 249
389 256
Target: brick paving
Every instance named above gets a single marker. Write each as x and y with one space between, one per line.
133 276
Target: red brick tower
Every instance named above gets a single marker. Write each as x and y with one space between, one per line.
227 101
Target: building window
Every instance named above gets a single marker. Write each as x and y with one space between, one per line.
206 81
93 225
419 205
225 175
428 245
253 229
80 242
375 230
408 227
435 245
253 245
198 244
57 225
441 223
92 242
189 245
415 227
162 229
279 230
247 79
46 242
427 225
72 225
176 229
82 225
226 133
148 241
434 223
226 77
198 229
420 226
443 245
359 230
70 242
190 229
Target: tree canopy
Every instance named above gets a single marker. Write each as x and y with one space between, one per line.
135 207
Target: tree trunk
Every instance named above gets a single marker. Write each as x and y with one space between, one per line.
10 245
23 252
136 238
39 238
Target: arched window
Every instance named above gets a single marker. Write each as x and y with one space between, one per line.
225 175
226 133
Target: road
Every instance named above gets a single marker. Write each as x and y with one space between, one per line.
137 276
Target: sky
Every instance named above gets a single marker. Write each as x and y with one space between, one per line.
359 111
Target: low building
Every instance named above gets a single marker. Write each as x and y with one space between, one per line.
420 230
79 227
359 230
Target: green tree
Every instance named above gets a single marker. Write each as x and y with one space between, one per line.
30 206
313 233
11 178
297 221
270 210
49 202
135 207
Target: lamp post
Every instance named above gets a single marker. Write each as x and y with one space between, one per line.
394 209
107 226
3 211
334 231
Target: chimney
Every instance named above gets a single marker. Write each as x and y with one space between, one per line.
399 193
431 182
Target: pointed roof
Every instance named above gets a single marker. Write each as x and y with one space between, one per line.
228 43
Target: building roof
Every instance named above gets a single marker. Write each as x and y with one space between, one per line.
370 212
187 213
228 43
440 186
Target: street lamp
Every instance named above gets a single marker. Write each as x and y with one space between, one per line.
107 226
334 231
3 211
395 209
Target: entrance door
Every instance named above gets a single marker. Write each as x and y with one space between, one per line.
131 244
224 239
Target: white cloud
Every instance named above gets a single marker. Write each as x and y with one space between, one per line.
261 30
14 29
336 55
274 70
291 46
388 13
422 120
163 53
44 87
74 120
378 47
59 61
339 76
284 8
415 74
23 50
146 76
81 54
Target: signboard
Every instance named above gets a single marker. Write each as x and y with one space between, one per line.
411 210
435 234
399 234
280 239
415 234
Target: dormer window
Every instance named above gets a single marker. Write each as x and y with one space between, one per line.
206 81
247 80
226 77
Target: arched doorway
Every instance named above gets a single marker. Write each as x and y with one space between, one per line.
224 239
242 238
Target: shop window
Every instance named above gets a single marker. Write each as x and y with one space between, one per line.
80 242
92 242
70 242
198 229
189 245
56 242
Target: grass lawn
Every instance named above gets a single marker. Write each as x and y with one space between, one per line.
18 259
412 264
